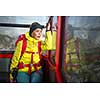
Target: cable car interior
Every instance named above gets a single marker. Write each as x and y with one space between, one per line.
75 57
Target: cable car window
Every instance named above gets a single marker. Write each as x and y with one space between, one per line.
8 35
23 19
83 49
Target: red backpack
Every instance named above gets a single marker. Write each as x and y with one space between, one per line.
24 44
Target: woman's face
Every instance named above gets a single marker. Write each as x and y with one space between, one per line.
37 33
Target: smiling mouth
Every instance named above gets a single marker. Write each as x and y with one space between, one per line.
38 36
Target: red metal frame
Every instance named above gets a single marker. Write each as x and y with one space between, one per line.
61 47
6 55
58 51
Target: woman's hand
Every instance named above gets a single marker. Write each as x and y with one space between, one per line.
48 26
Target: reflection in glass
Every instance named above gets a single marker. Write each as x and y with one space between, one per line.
83 49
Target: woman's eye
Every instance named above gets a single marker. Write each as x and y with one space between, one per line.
38 31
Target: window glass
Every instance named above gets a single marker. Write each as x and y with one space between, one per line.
8 35
83 49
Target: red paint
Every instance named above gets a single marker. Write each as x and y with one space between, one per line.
6 55
58 74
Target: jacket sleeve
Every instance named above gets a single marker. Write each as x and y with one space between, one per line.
54 40
47 44
16 57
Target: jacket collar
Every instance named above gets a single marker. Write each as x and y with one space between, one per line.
30 38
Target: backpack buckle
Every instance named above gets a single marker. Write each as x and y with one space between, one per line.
31 65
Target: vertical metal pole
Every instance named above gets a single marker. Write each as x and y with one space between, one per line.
60 47
50 21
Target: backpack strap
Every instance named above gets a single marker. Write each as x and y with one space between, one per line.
24 43
39 47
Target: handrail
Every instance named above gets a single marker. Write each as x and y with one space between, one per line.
14 25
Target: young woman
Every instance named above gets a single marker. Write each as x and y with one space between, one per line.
28 64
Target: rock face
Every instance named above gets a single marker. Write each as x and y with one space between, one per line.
8 35
7 42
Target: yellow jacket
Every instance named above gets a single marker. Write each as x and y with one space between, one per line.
32 45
